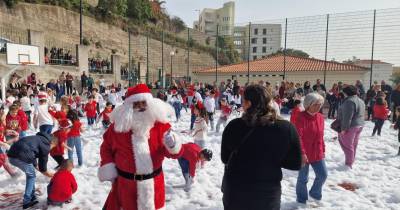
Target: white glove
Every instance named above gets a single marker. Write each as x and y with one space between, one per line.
169 140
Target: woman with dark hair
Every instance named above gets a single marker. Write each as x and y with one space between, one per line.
307 88
254 149
351 118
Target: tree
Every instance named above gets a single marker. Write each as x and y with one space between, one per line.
177 24
227 52
108 7
292 52
139 10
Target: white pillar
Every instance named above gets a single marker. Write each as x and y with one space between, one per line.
3 89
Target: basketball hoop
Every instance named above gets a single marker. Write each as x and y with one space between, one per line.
26 63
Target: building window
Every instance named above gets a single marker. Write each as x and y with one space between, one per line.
254 40
270 48
264 31
264 40
254 49
256 31
264 49
238 42
254 57
263 56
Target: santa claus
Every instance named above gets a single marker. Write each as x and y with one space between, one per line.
133 151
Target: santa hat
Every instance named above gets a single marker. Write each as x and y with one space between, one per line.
138 93
42 95
64 124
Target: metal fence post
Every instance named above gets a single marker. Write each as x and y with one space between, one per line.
130 75
162 59
147 57
284 52
326 47
216 55
188 56
372 52
80 23
248 55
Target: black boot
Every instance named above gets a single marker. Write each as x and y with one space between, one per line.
30 204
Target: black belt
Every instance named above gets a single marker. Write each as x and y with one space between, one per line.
138 177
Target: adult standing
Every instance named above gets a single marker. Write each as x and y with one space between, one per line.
307 88
360 89
387 89
61 80
351 117
310 127
319 85
27 154
68 81
84 80
254 149
395 98
132 153
370 99
90 83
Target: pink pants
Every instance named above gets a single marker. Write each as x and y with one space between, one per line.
4 162
349 142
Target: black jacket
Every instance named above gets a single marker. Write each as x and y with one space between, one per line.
395 98
29 148
258 162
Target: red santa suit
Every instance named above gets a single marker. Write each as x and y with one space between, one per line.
137 150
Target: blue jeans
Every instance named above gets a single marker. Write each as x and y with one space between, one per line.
77 143
22 134
192 120
184 166
177 107
30 173
46 129
320 177
91 120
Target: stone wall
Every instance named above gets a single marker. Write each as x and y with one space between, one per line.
63 25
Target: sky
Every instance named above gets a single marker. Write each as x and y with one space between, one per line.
259 10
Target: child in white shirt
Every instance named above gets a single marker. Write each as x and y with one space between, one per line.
199 132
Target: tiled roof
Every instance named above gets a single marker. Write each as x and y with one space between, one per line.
368 62
275 64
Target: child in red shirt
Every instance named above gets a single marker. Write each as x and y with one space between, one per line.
74 137
226 111
61 135
62 185
13 120
91 110
192 154
295 111
24 119
4 146
105 114
381 113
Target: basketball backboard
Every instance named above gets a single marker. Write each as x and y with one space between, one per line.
19 54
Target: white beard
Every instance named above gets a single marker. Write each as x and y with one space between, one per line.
127 119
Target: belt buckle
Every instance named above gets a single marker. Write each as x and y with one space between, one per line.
139 177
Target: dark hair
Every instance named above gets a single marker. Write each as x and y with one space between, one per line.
65 163
260 112
207 154
91 97
108 104
72 115
202 111
296 102
380 101
398 109
350 90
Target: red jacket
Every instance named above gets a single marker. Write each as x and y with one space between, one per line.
225 112
381 112
62 137
106 115
90 109
62 186
76 129
311 134
191 153
60 115
24 120
295 113
14 122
